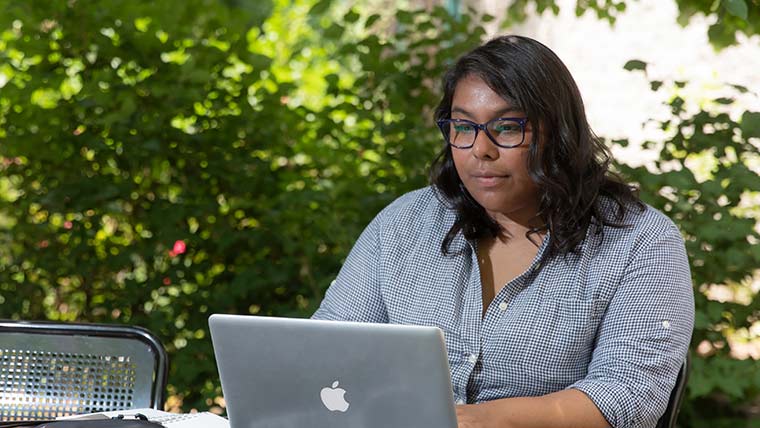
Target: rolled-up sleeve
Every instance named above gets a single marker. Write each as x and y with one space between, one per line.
644 336
355 294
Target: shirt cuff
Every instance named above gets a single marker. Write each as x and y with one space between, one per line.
611 400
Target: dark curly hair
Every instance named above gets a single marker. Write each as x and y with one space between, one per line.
570 168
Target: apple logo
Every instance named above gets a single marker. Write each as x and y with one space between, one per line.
333 399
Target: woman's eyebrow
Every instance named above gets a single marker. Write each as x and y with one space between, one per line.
497 113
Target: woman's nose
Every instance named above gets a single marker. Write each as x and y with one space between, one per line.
484 148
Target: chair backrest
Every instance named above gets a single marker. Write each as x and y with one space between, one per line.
668 419
48 370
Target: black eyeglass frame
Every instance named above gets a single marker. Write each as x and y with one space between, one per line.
443 124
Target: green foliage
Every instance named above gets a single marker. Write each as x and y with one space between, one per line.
162 161
734 16
737 8
731 16
635 64
702 180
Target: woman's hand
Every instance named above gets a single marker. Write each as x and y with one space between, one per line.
475 416
569 408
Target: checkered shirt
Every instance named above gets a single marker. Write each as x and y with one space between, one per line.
613 320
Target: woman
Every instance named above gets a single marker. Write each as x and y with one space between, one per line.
564 300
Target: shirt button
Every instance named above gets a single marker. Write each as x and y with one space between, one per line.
460 401
472 358
666 324
503 306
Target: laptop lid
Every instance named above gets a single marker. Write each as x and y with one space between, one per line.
284 373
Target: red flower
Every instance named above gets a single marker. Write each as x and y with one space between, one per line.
179 247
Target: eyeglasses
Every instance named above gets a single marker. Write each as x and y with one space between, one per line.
505 132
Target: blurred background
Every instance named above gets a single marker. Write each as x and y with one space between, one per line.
164 160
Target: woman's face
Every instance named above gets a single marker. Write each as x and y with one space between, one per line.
497 178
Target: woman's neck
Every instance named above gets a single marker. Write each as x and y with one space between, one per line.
518 223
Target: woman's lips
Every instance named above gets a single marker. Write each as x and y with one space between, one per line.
487 180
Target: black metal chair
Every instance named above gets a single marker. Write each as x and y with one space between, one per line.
48 370
668 419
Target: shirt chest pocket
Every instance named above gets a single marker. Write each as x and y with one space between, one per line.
561 342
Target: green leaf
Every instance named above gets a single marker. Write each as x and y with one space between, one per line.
320 8
736 7
352 16
701 321
699 385
335 31
371 20
721 35
405 17
45 98
751 124
635 64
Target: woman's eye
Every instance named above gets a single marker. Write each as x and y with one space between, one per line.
462 128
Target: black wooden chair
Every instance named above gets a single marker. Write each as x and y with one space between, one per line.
48 370
668 419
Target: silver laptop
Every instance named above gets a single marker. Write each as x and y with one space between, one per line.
285 373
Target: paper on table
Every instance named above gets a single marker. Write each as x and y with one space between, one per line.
169 420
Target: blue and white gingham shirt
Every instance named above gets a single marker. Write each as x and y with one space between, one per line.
613 320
